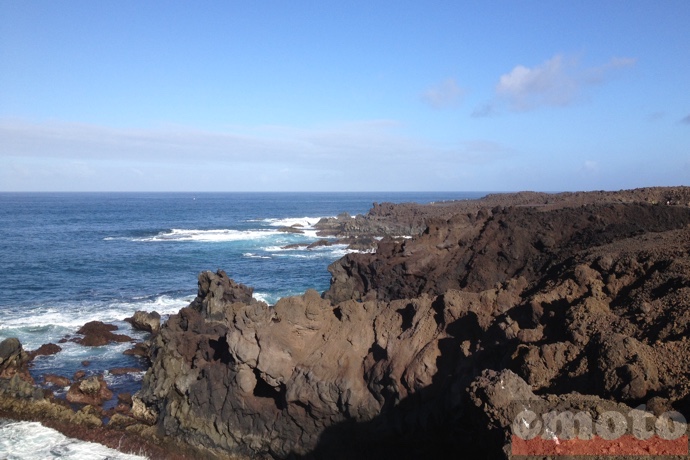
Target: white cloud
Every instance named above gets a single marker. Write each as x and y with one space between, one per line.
557 83
444 95
594 75
546 84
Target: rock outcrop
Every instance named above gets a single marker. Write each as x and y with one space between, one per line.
14 360
475 251
576 300
92 391
97 333
145 321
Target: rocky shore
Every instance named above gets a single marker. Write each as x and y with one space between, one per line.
464 315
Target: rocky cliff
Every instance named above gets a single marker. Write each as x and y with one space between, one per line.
423 348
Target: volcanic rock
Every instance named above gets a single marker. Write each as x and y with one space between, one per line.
140 349
292 229
46 349
97 334
14 360
145 321
123 370
319 243
57 380
92 391
489 301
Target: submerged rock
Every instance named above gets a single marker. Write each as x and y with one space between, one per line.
46 349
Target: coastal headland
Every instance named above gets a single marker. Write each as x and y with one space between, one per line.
457 318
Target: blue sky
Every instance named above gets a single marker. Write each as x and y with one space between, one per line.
343 96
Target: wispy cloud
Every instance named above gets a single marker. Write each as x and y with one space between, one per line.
590 167
555 83
362 155
446 94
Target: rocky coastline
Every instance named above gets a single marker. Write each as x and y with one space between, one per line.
454 318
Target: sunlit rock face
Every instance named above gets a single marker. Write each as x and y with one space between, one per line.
396 358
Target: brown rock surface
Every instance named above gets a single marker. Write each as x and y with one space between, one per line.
572 292
92 391
145 321
96 334
14 360
57 380
46 349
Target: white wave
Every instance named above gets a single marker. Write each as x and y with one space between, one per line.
31 440
304 223
262 296
251 255
206 236
43 324
312 234
76 315
282 248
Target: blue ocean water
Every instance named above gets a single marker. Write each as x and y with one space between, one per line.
70 258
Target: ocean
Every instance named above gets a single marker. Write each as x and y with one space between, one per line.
70 258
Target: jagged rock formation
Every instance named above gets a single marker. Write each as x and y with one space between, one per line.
14 360
21 399
474 251
586 296
145 321
91 390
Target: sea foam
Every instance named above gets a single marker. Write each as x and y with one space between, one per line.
206 236
31 440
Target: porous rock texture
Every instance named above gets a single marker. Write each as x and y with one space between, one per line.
571 300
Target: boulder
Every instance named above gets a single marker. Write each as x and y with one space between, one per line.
57 380
97 333
145 321
46 349
14 360
92 391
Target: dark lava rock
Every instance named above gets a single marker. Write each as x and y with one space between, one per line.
291 229
140 349
216 291
92 391
14 360
421 347
124 370
57 380
320 243
45 350
145 321
97 333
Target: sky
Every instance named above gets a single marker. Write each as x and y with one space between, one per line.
124 95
